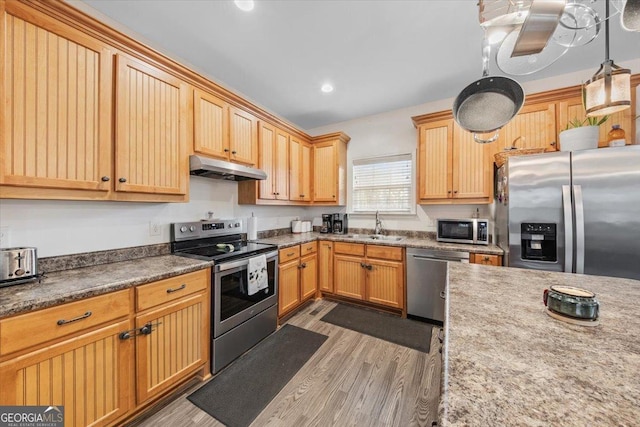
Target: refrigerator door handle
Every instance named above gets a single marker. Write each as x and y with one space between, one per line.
577 194
568 228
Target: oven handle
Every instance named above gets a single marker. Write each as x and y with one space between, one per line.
242 262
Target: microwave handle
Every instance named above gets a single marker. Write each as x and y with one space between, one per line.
243 262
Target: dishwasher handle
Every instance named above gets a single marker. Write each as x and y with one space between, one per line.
439 258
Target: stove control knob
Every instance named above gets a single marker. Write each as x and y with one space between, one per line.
192 228
183 229
237 224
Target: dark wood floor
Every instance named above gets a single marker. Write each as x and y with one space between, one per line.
352 380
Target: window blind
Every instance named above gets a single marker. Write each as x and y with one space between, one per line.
383 184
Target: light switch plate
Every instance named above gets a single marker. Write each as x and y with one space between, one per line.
5 237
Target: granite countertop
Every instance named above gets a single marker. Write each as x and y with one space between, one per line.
506 362
407 242
69 285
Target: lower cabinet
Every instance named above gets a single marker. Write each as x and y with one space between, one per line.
325 266
371 273
485 259
297 276
103 358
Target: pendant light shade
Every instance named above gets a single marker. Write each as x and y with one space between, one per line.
609 90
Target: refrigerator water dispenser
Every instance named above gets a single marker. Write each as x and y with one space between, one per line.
539 241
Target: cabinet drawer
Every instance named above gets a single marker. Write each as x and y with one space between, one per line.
487 259
384 252
308 248
171 289
30 329
287 254
349 248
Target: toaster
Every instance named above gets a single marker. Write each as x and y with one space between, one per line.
18 265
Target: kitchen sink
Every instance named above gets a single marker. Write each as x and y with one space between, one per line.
374 237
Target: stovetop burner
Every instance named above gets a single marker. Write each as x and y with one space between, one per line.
215 240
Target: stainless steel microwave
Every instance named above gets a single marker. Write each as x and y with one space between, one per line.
473 231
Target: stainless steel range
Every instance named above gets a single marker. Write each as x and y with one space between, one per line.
244 309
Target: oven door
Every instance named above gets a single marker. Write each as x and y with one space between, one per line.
232 305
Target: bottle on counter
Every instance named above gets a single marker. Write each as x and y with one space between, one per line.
616 137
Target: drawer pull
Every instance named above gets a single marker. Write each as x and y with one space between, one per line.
75 319
291 254
171 290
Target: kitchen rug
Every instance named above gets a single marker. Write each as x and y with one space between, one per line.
241 391
405 332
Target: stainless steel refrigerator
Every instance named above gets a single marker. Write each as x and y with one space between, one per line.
571 211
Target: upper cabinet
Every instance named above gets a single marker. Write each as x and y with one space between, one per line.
330 169
223 131
452 167
274 152
533 127
56 108
151 129
299 170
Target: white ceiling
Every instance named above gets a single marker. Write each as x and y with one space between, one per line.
379 55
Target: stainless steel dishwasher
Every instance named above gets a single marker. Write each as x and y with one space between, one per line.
427 280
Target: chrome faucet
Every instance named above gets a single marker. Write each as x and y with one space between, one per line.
378 229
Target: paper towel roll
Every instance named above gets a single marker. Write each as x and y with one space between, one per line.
252 228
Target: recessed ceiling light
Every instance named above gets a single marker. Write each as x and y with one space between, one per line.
245 5
326 88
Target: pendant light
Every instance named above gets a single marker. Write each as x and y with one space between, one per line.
609 90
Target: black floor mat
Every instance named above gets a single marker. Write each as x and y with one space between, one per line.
238 394
406 332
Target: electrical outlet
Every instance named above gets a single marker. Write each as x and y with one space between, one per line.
5 237
154 228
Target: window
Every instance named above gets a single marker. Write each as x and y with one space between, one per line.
383 184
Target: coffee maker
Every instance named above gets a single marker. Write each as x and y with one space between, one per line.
327 223
339 223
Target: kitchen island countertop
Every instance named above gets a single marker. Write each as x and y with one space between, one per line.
506 362
78 283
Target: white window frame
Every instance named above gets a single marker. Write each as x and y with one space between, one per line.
384 159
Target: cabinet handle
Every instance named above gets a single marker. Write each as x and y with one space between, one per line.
363 265
455 191
486 258
302 195
226 150
234 152
291 254
171 290
122 180
75 319
449 192
552 143
105 178
443 295
148 328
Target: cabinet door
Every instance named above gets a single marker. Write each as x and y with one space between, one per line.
385 283
572 108
305 173
288 286
267 163
472 168
533 127
325 184
325 266
90 375
299 170
349 279
151 118
308 276
176 346
210 125
282 165
56 111
243 137
434 160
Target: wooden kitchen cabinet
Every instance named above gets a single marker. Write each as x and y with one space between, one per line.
74 358
485 259
223 131
151 129
299 170
452 167
330 169
56 110
371 273
325 266
297 276
533 127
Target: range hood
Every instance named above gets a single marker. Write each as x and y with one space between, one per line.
219 169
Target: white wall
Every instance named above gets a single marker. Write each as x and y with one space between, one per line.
67 227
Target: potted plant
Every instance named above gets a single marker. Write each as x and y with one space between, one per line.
581 134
